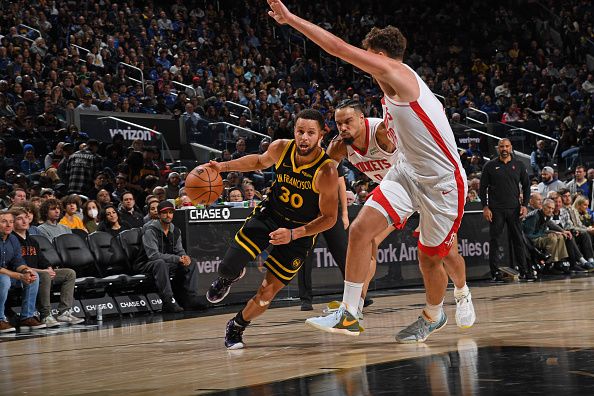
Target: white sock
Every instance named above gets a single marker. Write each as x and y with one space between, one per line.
433 312
361 303
459 293
583 260
351 296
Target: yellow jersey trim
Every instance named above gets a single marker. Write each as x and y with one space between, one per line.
282 266
282 157
313 183
247 249
248 240
271 267
309 165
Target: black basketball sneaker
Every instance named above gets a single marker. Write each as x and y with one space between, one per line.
221 287
234 335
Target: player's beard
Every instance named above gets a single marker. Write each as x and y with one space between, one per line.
306 152
348 140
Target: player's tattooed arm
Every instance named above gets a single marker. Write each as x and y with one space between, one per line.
253 162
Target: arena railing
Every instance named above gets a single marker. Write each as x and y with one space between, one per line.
141 81
78 47
185 86
227 124
480 112
29 29
244 109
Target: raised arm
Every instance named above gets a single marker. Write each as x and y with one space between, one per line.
252 162
385 69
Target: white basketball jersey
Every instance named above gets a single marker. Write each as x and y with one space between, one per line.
423 135
372 160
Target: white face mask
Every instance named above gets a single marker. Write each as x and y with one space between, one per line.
93 213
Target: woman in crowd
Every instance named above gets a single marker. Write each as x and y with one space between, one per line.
91 215
153 212
110 221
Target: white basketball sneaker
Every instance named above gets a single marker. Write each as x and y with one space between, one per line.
465 315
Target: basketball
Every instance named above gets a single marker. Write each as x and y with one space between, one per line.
204 185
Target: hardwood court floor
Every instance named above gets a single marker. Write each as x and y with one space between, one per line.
187 357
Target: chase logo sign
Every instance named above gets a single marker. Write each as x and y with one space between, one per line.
209 215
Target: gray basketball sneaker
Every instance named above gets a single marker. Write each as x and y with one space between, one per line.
420 330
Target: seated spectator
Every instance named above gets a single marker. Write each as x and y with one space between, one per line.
350 197
250 193
570 220
153 212
549 182
30 164
586 214
172 187
128 211
535 202
18 197
545 234
160 193
472 196
71 204
33 216
50 212
163 255
575 255
15 272
539 158
48 275
110 221
234 195
104 198
580 183
90 211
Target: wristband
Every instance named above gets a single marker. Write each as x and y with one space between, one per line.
291 230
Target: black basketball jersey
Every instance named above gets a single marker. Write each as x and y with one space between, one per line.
293 195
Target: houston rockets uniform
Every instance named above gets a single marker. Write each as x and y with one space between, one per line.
427 176
372 159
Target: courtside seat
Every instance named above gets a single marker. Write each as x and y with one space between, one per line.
131 242
75 254
111 261
50 253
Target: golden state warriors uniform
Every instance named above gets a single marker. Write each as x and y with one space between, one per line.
292 202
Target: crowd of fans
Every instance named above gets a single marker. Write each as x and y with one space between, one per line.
196 57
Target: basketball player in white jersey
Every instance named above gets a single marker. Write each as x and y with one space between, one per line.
427 177
364 143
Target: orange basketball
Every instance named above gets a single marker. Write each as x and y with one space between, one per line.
204 185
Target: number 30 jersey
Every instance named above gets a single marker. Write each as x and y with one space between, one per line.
293 195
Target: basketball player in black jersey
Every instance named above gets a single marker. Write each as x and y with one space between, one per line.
302 202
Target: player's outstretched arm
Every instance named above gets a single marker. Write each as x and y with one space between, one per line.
379 66
252 162
337 149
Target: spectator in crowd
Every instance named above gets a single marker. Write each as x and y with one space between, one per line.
48 275
570 220
109 221
539 158
235 195
99 183
33 216
573 251
164 254
173 185
544 233
49 213
500 197
581 184
81 168
14 271
153 212
128 211
30 164
586 214
71 219
90 212
104 198
350 197
535 202
160 193
18 196
549 182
